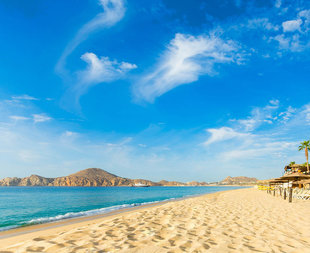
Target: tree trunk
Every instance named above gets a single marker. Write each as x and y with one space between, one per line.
306 153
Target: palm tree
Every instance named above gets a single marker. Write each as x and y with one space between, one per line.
305 145
292 163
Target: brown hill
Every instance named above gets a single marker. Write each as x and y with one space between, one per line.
33 180
175 183
88 177
238 180
94 173
170 183
195 183
99 177
91 177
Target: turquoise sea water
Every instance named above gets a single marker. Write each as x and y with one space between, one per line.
20 206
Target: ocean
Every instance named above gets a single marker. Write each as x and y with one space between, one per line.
22 206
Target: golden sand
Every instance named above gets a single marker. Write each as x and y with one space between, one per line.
245 220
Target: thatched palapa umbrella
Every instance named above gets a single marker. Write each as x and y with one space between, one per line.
295 176
303 182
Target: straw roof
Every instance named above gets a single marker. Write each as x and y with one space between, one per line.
274 182
307 181
279 180
298 166
295 176
271 181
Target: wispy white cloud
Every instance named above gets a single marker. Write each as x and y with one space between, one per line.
287 114
55 149
37 118
99 70
305 16
261 23
243 141
20 99
186 58
260 147
259 116
285 29
68 138
28 155
24 97
278 3
294 36
291 43
306 114
69 133
223 134
15 117
291 25
22 110
114 11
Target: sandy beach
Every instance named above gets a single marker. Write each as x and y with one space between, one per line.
243 220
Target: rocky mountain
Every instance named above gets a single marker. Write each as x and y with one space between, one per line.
88 177
171 183
33 180
91 177
238 181
99 177
175 183
195 183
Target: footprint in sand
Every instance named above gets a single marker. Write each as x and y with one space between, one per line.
35 249
38 239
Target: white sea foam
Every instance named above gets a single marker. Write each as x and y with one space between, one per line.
87 213
8 227
80 214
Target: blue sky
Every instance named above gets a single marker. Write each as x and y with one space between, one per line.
177 90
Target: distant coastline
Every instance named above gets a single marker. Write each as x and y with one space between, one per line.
94 177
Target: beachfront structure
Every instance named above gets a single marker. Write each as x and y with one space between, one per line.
291 185
295 168
140 185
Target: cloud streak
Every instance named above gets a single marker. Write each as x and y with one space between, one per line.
99 70
49 148
24 97
291 25
223 134
259 116
295 33
114 11
37 118
17 118
186 58
268 134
